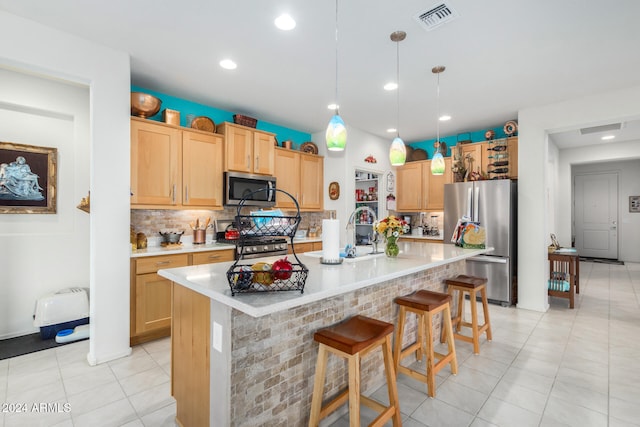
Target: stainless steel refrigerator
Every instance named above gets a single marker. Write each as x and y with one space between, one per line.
494 204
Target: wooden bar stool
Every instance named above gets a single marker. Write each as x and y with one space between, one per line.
472 285
352 339
425 305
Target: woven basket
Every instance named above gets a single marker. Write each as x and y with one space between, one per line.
239 119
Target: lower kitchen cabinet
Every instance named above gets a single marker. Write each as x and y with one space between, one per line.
306 247
150 305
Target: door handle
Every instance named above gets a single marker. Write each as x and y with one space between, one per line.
248 161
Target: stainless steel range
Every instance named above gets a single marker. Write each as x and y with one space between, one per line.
256 247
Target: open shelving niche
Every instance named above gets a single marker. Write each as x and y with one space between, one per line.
365 181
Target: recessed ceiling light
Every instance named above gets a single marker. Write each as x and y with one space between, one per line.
392 130
228 64
333 106
285 22
445 118
608 137
391 86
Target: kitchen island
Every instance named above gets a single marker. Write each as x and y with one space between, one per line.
249 359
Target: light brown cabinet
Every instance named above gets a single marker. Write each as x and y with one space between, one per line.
202 170
173 168
435 184
418 190
248 150
305 247
156 156
150 295
302 176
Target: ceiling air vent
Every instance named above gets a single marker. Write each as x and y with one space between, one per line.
439 14
603 128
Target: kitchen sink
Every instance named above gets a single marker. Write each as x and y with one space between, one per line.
362 253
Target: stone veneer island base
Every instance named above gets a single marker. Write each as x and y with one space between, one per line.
249 360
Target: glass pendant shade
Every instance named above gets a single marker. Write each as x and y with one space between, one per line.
336 134
437 164
397 152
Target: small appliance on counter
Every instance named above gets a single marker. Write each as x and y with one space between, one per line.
432 229
407 219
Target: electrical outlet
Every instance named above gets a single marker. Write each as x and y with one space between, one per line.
217 337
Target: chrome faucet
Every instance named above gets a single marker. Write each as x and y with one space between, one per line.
351 229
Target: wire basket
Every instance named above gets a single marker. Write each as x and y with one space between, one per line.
243 278
260 276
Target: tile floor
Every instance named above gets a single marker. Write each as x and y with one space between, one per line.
560 368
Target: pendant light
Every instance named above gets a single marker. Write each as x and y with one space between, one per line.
437 163
336 135
398 151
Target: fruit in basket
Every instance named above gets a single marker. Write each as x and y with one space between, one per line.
282 269
262 273
242 279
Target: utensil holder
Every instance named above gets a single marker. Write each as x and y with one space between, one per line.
199 237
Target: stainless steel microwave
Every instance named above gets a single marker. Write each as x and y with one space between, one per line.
258 190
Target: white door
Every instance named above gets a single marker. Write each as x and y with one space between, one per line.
596 215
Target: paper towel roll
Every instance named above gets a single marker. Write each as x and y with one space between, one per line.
331 239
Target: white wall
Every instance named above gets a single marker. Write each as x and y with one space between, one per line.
580 162
341 167
44 113
534 219
38 49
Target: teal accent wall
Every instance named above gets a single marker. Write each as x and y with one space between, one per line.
218 116
451 141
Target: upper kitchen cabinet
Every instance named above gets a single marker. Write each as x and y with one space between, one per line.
435 193
156 159
302 176
418 190
202 169
173 168
410 187
248 150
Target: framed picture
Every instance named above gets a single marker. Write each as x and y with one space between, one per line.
334 191
634 203
28 177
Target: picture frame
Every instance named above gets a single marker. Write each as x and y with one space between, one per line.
28 179
634 204
334 191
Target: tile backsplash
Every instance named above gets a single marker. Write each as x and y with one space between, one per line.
152 221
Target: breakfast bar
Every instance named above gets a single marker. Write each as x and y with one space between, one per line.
249 359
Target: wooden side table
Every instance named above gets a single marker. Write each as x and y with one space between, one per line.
565 266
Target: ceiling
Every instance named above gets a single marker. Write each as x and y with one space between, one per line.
500 56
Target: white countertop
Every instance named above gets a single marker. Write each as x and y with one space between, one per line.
187 246
422 237
183 248
323 281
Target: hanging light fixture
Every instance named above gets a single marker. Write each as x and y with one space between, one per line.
398 151
336 135
437 163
